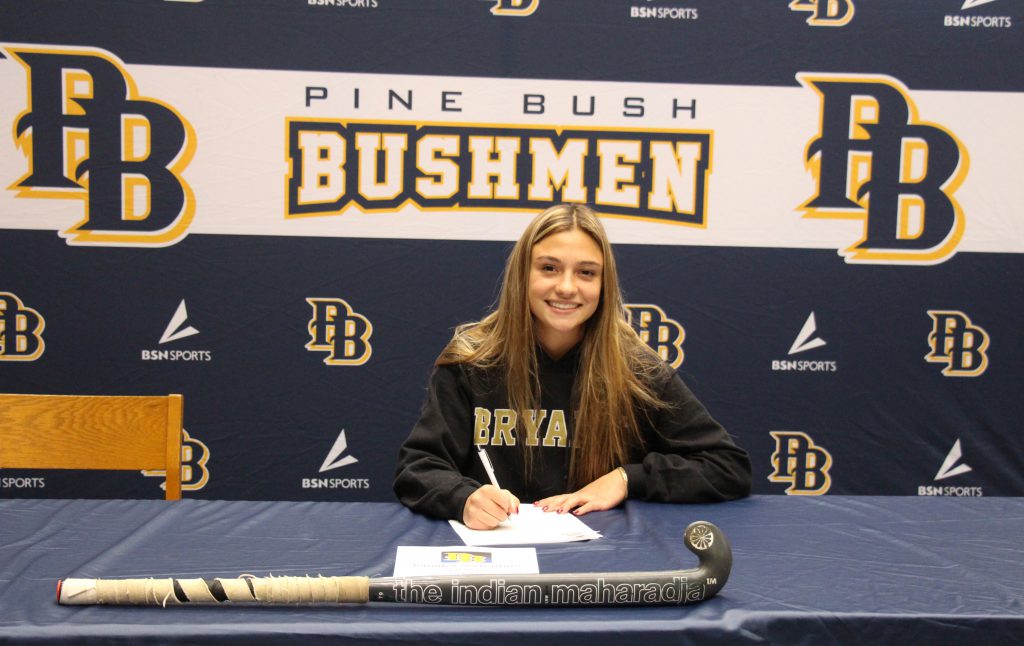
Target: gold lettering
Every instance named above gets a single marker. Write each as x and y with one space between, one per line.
558 432
532 423
481 426
504 424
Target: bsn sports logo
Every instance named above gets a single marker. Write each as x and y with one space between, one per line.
518 8
194 456
875 160
345 4
983 21
656 329
88 134
664 13
825 13
805 340
11 482
21 330
956 342
951 466
340 332
797 460
336 459
177 329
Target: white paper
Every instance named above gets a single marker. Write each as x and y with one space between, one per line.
531 526
413 560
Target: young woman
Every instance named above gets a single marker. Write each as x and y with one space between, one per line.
573 409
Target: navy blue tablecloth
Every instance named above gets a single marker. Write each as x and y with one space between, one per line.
806 570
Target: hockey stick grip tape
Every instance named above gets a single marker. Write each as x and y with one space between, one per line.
163 592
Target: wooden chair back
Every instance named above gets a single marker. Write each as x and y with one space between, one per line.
93 432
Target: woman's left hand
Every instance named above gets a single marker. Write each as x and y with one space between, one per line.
604 493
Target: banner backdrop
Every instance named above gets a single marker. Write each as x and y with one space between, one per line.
281 208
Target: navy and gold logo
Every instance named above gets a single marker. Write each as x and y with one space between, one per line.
514 7
825 13
875 159
21 330
340 332
194 456
801 463
665 335
88 134
466 557
957 343
660 176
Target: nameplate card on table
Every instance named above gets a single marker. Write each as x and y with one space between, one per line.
414 560
531 526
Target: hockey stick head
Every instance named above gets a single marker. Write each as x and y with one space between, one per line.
714 551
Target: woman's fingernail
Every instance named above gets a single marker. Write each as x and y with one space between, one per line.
545 508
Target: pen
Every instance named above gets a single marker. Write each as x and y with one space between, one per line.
488 467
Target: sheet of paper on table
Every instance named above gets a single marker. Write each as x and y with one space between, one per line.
414 560
531 526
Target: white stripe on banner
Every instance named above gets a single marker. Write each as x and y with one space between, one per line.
755 186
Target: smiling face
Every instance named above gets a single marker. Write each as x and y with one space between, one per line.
565 288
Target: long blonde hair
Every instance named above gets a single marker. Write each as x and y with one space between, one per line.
616 366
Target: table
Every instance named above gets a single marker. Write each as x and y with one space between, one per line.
816 570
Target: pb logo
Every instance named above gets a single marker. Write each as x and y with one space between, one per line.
514 7
657 330
875 160
825 13
88 135
21 330
800 462
957 343
194 456
339 331
466 557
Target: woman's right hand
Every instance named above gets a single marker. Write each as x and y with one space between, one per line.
488 507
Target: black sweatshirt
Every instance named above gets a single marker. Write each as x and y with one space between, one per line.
687 456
